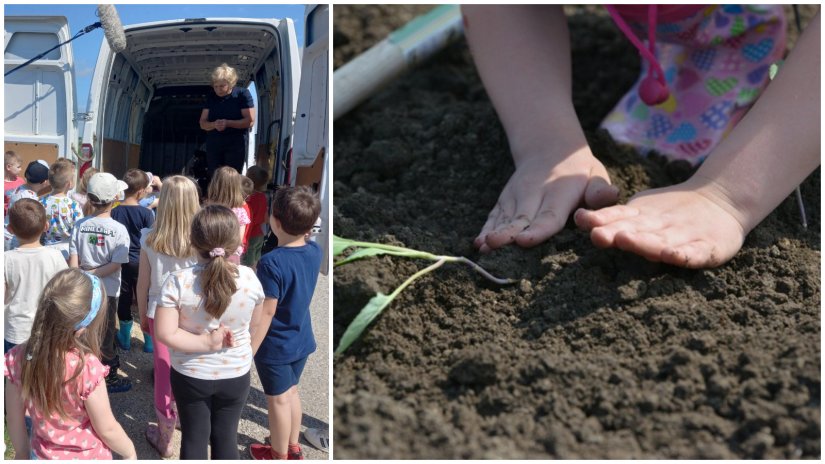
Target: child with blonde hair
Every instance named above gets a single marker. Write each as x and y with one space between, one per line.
78 194
62 210
165 248
226 189
203 316
58 378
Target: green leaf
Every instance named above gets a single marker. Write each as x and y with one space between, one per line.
368 313
774 69
340 244
367 252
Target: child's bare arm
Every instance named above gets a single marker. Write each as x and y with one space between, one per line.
777 144
170 334
142 290
107 427
264 319
703 222
74 261
106 269
15 421
522 53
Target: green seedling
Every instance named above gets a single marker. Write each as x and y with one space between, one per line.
380 301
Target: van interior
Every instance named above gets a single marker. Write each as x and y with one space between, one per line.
157 87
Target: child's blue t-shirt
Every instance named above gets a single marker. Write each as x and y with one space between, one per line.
289 274
134 218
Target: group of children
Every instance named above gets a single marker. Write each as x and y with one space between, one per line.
75 266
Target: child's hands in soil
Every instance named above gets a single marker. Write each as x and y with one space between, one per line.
541 194
680 225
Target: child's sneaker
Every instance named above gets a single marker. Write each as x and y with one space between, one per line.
294 452
318 438
116 384
261 452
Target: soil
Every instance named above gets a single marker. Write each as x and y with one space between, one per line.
593 353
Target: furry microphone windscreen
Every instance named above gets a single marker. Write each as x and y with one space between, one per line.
112 28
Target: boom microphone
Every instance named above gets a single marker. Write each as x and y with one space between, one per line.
112 28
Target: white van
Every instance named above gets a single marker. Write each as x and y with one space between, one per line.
39 99
310 160
145 102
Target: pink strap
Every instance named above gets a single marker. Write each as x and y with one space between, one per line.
648 54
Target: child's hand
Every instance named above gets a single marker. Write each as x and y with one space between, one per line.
144 323
219 337
228 339
541 194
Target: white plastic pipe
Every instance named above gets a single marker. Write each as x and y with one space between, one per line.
402 50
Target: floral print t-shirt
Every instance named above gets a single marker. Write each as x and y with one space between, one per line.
63 213
182 290
73 437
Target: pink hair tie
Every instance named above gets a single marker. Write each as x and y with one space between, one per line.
217 252
239 251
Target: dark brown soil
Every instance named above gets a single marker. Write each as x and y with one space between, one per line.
593 354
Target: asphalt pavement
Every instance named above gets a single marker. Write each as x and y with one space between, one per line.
135 409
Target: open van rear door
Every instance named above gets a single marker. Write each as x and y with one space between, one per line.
40 105
311 140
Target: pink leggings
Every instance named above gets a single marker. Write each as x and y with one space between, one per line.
163 387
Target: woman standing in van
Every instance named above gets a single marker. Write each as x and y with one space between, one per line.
227 118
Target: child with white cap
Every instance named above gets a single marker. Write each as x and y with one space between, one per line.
99 246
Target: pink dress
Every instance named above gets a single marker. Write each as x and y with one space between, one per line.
74 437
243 220
715 62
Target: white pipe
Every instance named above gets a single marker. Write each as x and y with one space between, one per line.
402 50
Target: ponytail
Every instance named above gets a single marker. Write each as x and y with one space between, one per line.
215 231
218 284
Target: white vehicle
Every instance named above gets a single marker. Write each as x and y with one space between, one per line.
145 102
39 98
310 160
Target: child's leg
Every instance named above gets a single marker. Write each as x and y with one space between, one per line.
228 401
108 348
523 56
193 400
128 282
161 436
162 387
279 408
297 415
703 222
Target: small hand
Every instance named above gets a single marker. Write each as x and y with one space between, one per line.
220 125
539 197
217 338
228 339
144 323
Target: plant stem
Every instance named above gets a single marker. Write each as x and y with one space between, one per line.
479 269
381 246
418 274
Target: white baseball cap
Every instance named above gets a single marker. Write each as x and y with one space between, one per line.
106 187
